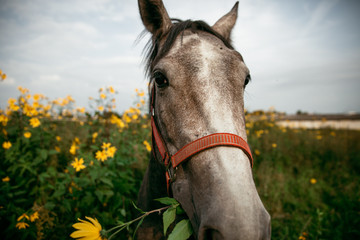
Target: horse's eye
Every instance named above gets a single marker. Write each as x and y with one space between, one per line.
247 80
160 79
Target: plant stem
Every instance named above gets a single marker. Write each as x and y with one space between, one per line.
122 226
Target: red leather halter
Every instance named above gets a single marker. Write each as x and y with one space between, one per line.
192 148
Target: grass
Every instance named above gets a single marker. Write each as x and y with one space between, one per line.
308 182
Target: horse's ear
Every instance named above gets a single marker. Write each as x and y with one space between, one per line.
154 16
225 24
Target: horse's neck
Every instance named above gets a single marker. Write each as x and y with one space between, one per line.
152 187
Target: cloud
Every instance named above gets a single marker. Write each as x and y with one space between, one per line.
318 16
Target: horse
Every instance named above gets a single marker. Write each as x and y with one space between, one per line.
199 151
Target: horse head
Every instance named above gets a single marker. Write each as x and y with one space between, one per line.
197 82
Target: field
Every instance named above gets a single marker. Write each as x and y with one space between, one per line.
60 163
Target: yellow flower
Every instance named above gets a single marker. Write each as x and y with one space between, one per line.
111 90
58 138
274 145
29 110
127 118
4 119
24 215
11 101
36 97
3 76
101 108
87 230
103 96
22 225
14 107
141 94
111 151
106 145
70 99
27 134
81 110
115 120
23 90
6 145
76 140
313 181
101 155
47 107
34 122
135 117
57 149
78 164
73 149
6 179
257 152
147 145
34 216
36 105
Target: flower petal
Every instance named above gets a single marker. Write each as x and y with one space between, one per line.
85 227
95 222
80 233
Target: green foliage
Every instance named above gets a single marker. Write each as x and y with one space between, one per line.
54 171
183 229
307 180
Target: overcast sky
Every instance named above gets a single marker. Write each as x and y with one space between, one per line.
303 55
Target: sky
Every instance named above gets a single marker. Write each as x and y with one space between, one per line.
302 55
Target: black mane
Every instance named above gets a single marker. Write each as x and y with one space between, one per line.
153 52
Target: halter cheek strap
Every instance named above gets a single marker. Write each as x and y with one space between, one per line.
192 148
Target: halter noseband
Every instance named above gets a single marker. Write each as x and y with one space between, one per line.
192 148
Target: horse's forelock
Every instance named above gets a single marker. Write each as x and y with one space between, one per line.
153 52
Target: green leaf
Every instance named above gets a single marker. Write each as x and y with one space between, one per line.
182 231
179 210
137 227
94 147
141 211
100 195
169 217
107 181
49 205
167 201
44 154
53 152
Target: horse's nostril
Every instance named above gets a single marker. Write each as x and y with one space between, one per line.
212 234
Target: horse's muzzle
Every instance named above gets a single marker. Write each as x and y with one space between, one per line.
244 231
